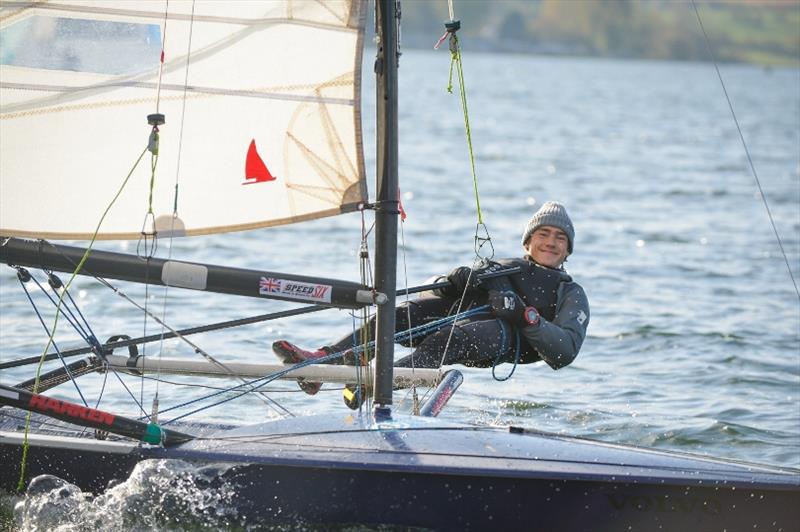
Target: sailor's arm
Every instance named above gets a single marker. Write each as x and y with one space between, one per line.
559 341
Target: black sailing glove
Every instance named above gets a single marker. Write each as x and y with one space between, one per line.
508 306
460 280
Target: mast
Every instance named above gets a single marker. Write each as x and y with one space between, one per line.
386 197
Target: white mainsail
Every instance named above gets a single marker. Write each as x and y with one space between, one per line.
251 140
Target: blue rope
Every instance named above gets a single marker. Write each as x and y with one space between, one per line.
321 360
250 384
502 352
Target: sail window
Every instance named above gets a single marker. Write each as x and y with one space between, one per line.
81 45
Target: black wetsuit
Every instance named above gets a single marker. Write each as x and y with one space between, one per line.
482 340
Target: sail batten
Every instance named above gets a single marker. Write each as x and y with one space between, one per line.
94 10
80 79
11 111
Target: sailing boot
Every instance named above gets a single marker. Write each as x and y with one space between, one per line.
354 395
289 353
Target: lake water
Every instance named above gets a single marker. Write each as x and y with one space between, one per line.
694 340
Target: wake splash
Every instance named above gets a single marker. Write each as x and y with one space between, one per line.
159 495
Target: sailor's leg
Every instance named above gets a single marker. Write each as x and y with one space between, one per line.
475 343
289 353
407 315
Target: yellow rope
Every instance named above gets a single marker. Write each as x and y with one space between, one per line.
21 483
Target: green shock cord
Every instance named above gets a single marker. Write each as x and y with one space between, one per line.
455 61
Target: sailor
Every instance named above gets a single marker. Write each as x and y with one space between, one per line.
539 313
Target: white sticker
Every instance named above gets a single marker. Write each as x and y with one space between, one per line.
582 317
268 286
9 394
184 275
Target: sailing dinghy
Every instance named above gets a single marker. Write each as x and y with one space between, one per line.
256 108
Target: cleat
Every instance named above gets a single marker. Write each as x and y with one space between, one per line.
289 353
354 396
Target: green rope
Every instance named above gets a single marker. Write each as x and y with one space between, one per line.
153 164
153 146
25 444
455 59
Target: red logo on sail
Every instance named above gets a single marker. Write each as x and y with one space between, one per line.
255 171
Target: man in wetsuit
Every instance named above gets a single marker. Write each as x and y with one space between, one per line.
539 313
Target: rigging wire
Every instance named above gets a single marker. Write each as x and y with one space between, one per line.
156 337
163 46
197 349
175 197
153 146
458 311
413 389
21 276
746 150
88 337
357 396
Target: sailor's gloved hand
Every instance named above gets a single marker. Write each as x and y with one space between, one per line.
508 306
462 278
460 281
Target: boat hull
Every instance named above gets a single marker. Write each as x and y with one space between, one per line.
429 474
459 502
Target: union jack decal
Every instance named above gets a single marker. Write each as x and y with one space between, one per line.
268 285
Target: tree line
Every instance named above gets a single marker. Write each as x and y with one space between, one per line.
753 31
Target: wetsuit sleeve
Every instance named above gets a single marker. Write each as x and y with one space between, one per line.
559 341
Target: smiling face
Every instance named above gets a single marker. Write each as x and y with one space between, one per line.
548 246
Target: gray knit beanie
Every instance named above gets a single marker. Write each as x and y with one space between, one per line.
554 214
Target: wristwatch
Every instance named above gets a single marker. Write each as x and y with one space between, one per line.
531 316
